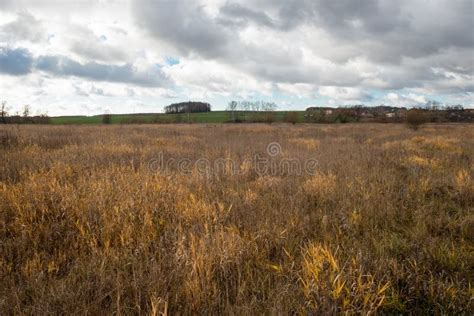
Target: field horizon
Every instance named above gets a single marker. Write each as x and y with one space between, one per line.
144 118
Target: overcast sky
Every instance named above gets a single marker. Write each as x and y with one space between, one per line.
87 57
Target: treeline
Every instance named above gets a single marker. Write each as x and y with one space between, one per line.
187 107
264 112
430 112
24 117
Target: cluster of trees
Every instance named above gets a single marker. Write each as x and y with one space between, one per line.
188 107
23 117
436 112
432 111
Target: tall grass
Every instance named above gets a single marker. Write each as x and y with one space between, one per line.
385 224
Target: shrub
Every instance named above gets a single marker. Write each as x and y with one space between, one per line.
291 117
106 118
415 118
315 116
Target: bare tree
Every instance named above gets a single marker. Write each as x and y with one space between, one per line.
4 112
255 106
232 107
245 105
268 106
26 110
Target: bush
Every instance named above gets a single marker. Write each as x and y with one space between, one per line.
291 117
316 116
415 118
106 119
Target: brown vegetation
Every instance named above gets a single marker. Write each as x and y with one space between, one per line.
415 118
106 118
385 225
291 117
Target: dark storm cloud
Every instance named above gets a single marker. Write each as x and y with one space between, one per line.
407 37
386 30
20 62
235 11
184 24
6 4
15 62
383 30
335 15
370 16
91 46
98 51
127 73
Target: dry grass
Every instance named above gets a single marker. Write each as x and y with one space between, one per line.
385 225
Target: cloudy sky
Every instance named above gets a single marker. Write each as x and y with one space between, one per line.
87 57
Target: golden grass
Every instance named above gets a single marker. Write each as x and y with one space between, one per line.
385 225
308 143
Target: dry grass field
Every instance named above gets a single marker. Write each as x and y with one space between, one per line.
91 224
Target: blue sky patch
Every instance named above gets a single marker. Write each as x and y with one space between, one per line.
171 61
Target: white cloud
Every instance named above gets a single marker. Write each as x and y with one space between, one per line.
24 28
206 79
410 99
115 52
345 95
